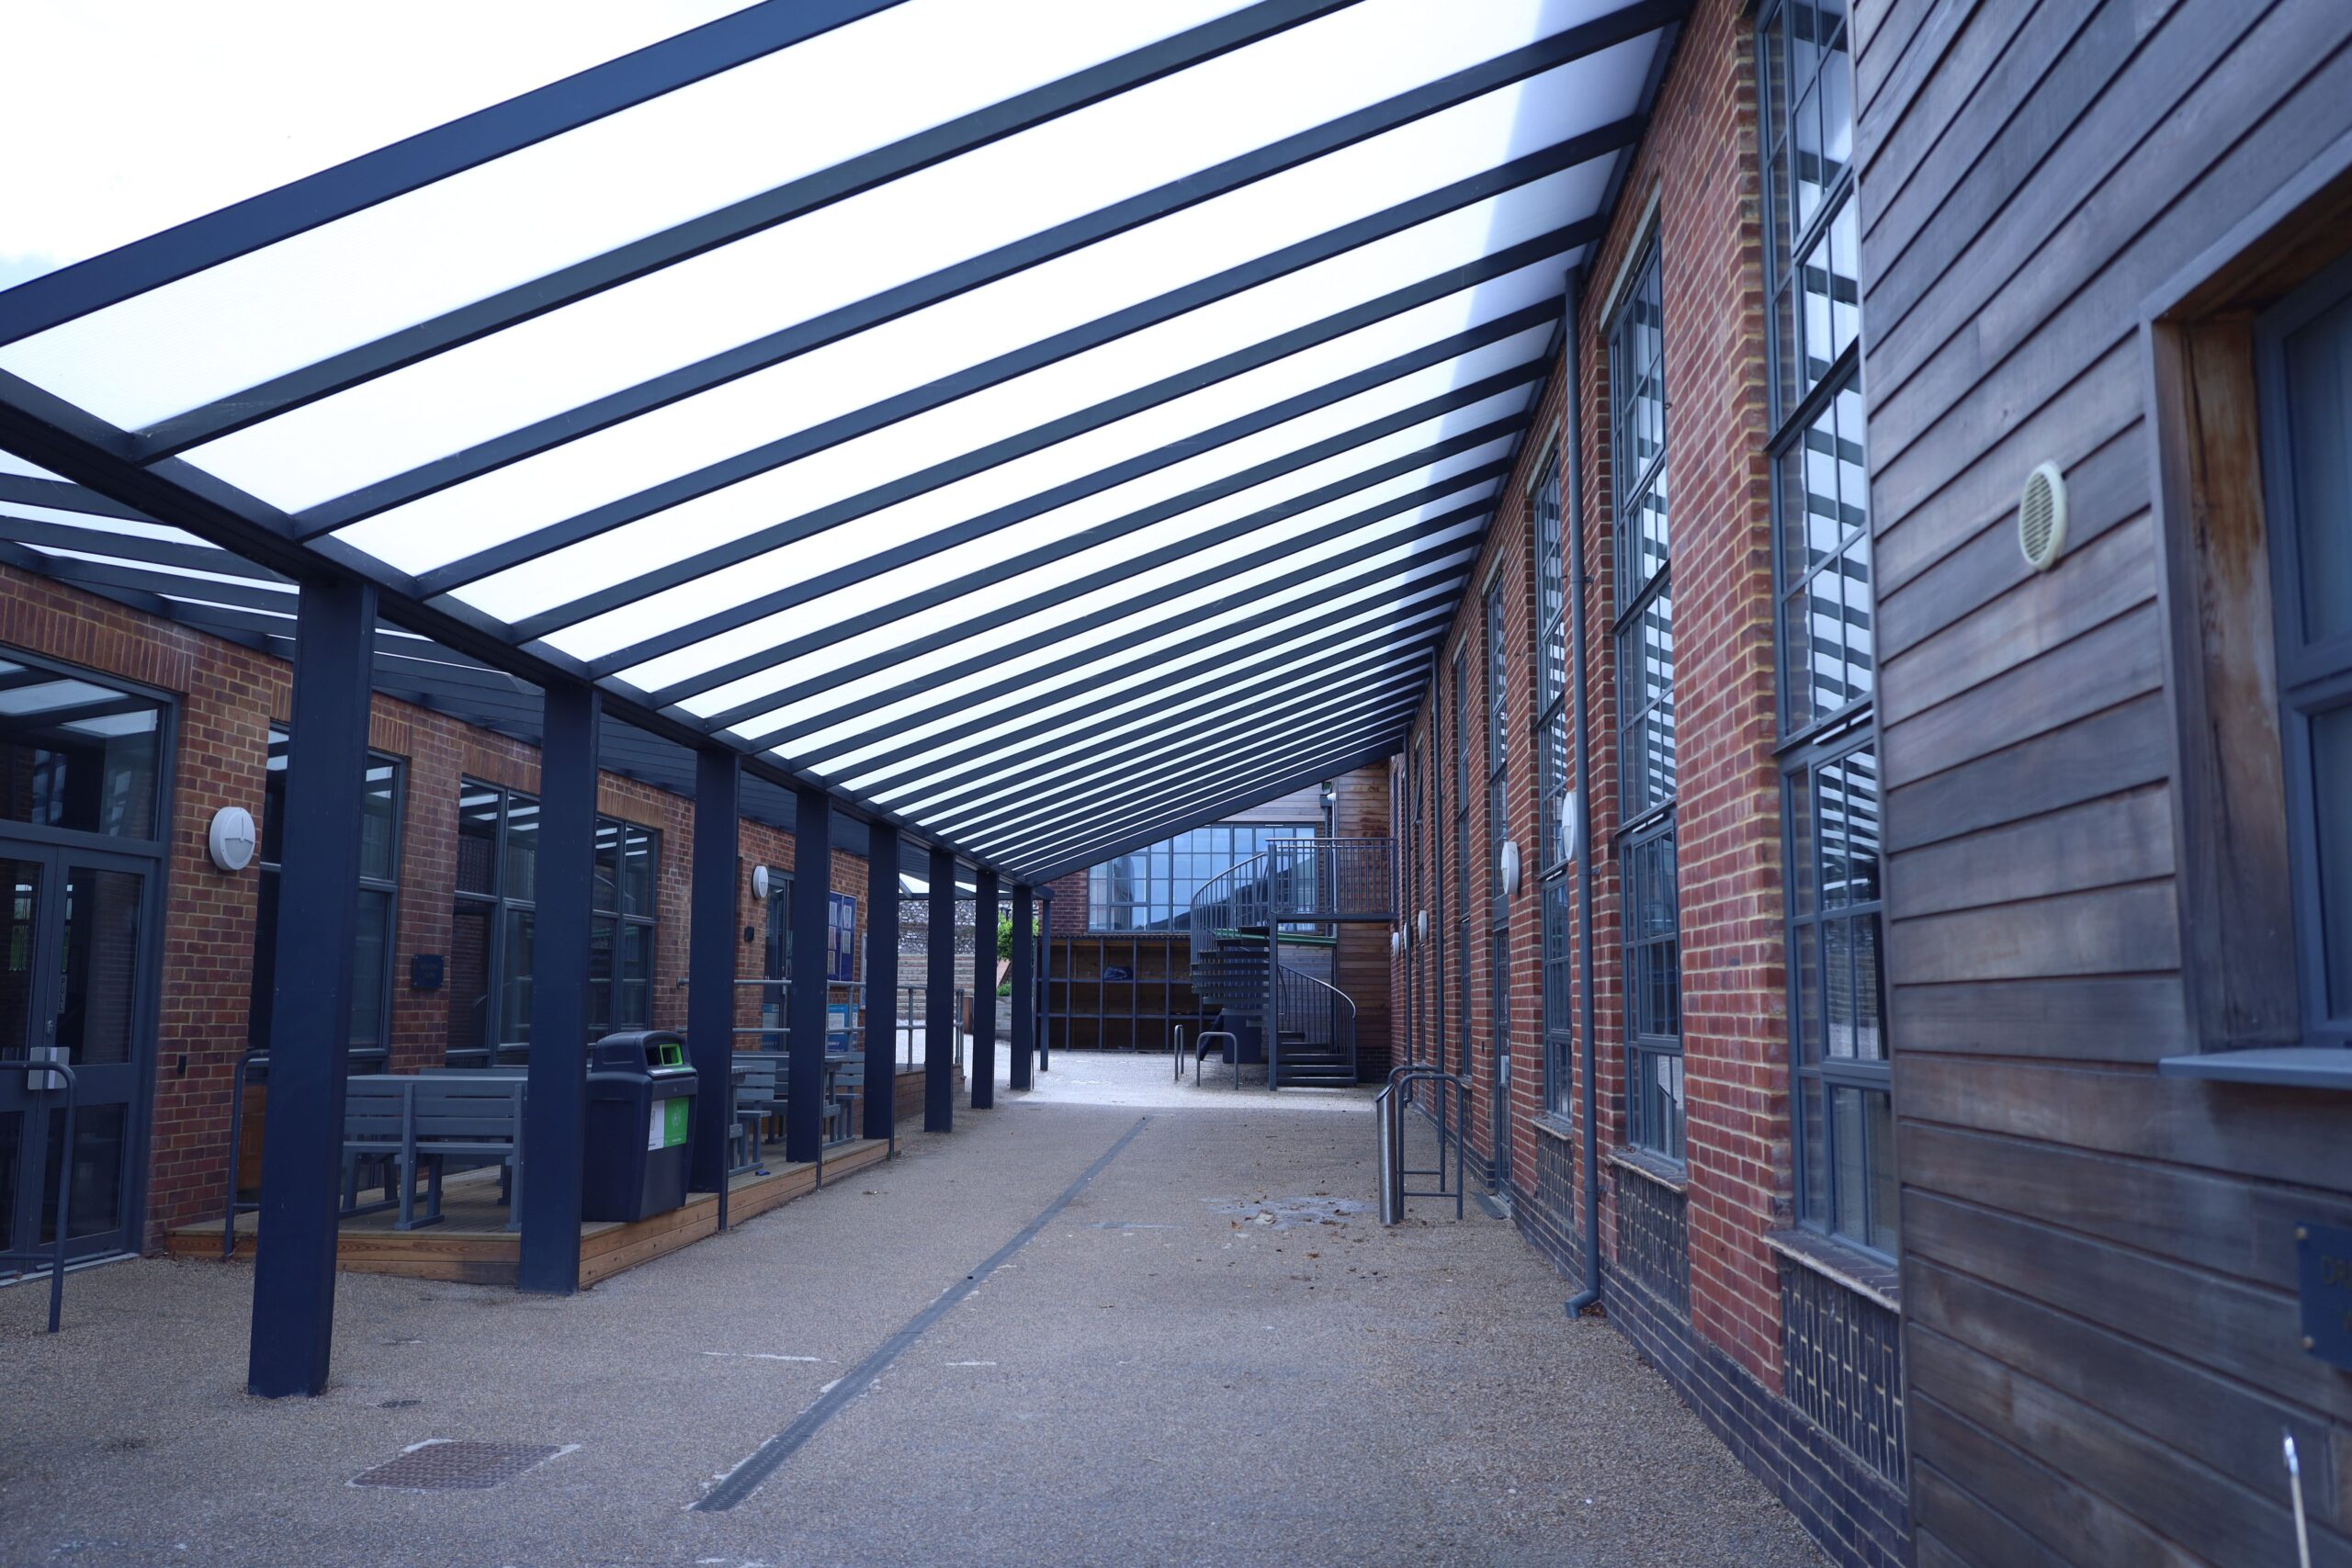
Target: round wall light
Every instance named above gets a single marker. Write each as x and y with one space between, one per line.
761 880
1421 925
1510 867
231 839
1396 943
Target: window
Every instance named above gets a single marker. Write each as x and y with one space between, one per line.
1151 889
1461 711
2307 350
491 943
1840 1107
1645 634
75 754
1552 787
375 903
620 952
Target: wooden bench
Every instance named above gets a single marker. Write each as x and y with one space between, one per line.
426 1120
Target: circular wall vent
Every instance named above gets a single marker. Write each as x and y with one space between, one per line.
2042 517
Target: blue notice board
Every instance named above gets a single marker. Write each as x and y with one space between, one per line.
840 938
2324 1256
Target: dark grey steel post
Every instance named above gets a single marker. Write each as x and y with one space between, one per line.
555 1112
882 980
939 999
713 906
1273 988
1024 987
812 884
984 991
293 1322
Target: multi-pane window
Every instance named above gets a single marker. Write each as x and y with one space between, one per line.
1644 633
1551 785
2309 496
374 903
1497 755
620 950
1462 725
1842 1114
1151 889
493 933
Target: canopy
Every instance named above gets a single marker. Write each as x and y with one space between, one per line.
1047 424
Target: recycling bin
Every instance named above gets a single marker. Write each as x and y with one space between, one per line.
641 1125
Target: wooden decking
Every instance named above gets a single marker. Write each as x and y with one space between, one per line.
472 1244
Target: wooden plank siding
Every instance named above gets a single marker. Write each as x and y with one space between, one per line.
2101 1332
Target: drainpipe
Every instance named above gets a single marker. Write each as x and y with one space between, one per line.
1582 584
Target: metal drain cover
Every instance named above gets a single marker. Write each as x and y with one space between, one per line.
443 1464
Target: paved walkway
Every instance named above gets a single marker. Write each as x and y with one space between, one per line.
1206 1353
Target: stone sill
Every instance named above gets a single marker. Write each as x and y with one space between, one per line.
1556 1127
1857 1271
1674 1178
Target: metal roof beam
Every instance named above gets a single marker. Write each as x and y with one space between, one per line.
780 204
1630 22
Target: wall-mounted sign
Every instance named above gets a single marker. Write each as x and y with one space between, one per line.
426 971
840 937
2324 1258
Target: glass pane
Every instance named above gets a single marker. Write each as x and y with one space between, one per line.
94 1205
2319 394
1885 1193
379 821
11 1147
469 1016
273 800
478 840
607 880
1808 1022
636 872
21 882
2331 798
515 965
1802 873
1850 1171
1814 1134
75 754
1870 1040
600 977
522 868
1837 988
636 998
98 965
371 962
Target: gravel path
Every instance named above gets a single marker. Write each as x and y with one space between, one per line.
1209 1355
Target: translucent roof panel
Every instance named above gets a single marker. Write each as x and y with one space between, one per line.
884 238
1037 423
777 119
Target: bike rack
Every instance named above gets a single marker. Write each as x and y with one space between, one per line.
1388 1105
54 1253
1201 1052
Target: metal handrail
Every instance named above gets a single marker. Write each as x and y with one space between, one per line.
1388 1109
56 1249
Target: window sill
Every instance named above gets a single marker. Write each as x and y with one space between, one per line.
1650 1167
1832 1260
1558 1127
2289 1067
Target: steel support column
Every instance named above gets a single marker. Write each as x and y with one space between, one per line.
1045 980
555 1114
812 886
940 1023
881 1109
714 908
293 1314
1024 987
983 1064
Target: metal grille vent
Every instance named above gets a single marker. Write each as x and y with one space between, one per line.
442 1464
2042 517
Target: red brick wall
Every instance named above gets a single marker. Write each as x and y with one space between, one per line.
228 697
1699 163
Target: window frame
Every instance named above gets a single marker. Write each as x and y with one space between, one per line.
1161 874
2313 674
357 1053
1646 825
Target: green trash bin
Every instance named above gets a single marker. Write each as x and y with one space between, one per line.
641 1125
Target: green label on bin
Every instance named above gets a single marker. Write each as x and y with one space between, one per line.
673 1122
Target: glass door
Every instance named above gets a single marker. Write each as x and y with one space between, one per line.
73 978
